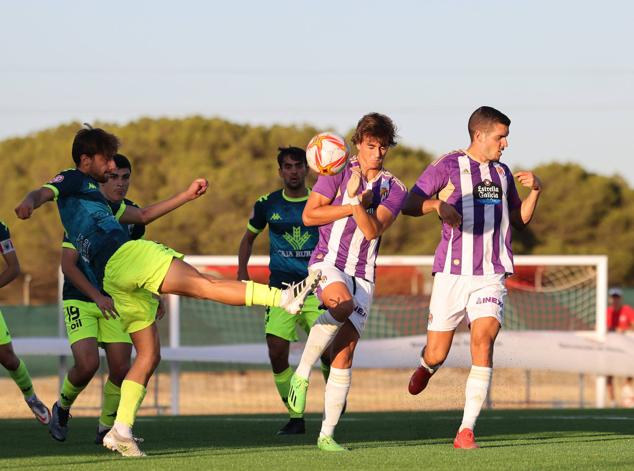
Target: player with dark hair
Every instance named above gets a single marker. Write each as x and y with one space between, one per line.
13 364
291 244
477 202
90 321
133 270
353 209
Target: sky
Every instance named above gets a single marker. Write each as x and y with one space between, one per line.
563 71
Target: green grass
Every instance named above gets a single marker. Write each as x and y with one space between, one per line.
531 440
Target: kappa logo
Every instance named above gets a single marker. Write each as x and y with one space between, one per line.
466 171
276 217
57 179
92 186
430 319
500 171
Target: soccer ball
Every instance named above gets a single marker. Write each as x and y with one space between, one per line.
327 153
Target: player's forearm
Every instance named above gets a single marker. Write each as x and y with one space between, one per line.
244 254
77 278
369 225
325 214
527 209
9 274
153 212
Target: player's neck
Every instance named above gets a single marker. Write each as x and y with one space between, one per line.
474 154
295 193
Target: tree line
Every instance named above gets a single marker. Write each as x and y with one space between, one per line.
580 212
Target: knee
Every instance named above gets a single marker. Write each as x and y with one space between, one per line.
87 367
117 373
483 345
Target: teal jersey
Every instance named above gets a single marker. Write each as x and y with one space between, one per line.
135 231
291 242
6 245
88 221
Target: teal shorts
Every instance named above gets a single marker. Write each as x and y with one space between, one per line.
280 323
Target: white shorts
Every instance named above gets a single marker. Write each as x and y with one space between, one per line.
362 292
476 295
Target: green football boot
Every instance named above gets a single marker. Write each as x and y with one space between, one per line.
326 443
297 394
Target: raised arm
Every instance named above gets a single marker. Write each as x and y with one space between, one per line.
32 201
318 210
71 271
244 254
522 215
150 213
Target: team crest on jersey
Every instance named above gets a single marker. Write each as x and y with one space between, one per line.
57 179
385 189
487 192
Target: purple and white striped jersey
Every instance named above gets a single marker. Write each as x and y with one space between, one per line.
483 194
341 242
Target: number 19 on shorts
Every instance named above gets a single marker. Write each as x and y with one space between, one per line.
72 314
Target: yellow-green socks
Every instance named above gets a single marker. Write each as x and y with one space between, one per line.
110 404
69 393
22 378
132 395
283 384
262 295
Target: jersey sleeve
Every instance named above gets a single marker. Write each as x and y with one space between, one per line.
512 196
65 183
6 245
395 198
433 179
67 244
119 208
328 185
257 221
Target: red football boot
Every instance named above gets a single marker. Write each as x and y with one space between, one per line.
419 380
465 440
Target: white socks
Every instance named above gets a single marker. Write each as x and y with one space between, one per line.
321 334
476 392
427 367
336 393
123 429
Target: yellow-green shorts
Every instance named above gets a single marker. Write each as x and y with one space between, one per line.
84 320
280 323
5 336
133 273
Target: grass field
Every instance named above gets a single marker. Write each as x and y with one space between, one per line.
510 439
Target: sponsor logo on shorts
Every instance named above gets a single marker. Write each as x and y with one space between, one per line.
490 300
359 310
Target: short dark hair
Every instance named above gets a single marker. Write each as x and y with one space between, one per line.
295 153
377 125
121 161
484 117
94 141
